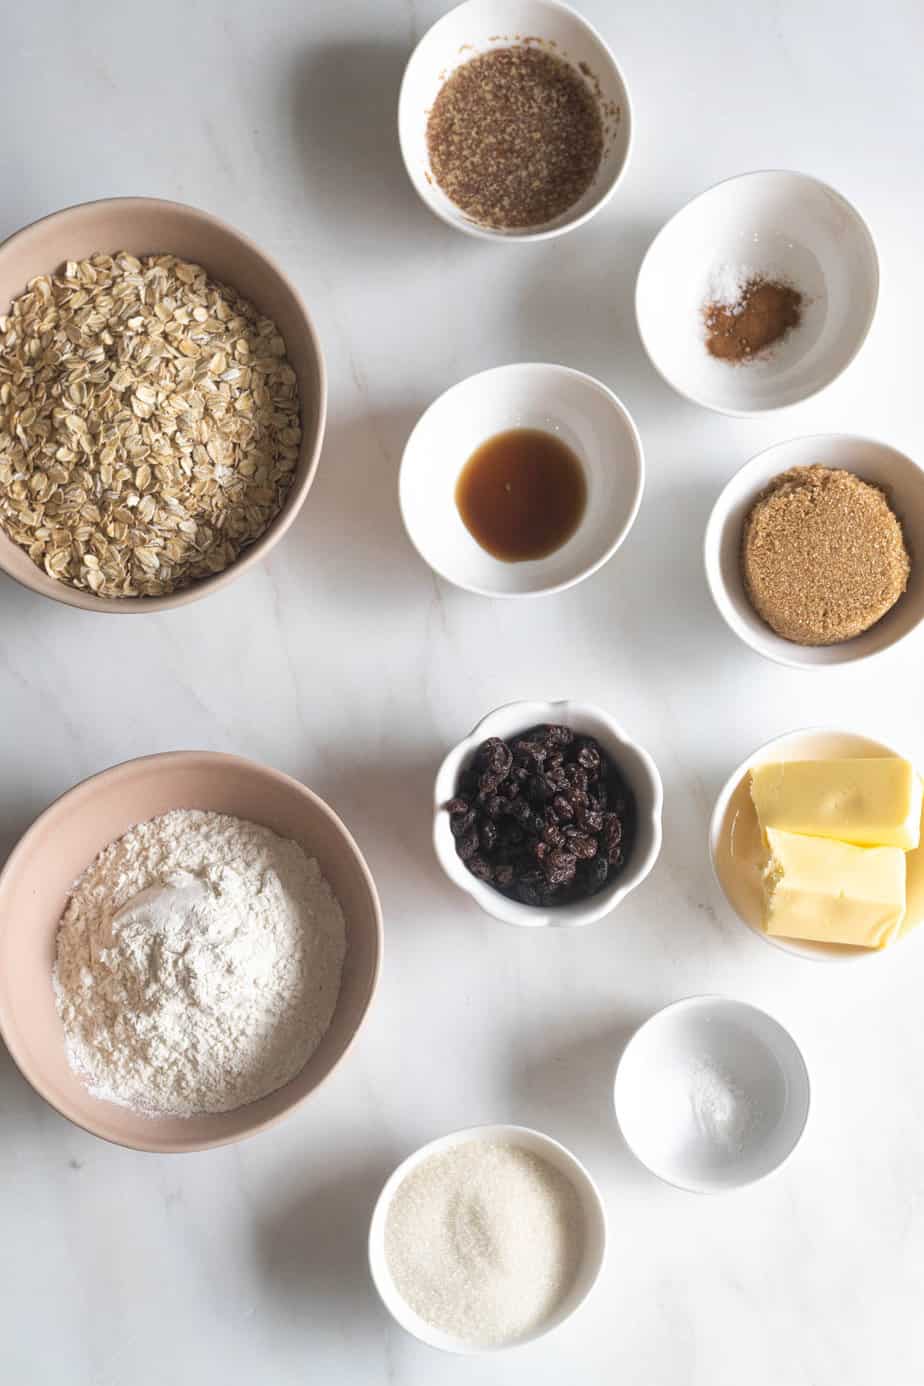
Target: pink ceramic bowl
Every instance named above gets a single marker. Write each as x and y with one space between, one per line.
145 226
38 876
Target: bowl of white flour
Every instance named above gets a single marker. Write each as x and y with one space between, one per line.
188 946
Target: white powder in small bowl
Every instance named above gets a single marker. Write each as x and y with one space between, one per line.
483 1241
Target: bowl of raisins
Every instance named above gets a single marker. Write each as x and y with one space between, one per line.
548 814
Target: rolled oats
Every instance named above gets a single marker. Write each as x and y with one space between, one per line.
149 424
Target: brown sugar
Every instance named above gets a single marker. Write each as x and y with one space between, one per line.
515 137
761 316
823 556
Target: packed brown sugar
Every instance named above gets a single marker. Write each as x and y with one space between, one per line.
823 555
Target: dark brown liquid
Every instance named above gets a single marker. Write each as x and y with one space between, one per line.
522 494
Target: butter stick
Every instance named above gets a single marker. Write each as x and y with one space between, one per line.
832 892
870 802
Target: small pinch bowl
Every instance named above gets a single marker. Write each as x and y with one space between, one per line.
736 852
782 224
634 763
560 1158
61 843
146 226
903 483
476 27
579 410
760 1058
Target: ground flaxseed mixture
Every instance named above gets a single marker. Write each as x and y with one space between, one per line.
515 137
823 555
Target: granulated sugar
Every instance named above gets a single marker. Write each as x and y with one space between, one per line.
483 1241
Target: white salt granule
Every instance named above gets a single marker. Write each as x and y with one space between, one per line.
484 1240
721 1110
198 964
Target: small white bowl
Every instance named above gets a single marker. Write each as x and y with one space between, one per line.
755 1057
476 27
594 1246
900 478
580 411
737 854
781 224
634 763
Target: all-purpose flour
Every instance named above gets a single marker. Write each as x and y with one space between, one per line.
198 964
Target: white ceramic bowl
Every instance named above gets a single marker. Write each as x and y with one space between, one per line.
754 1058
635 764
476 27
900 478
584 414
737 854
594 1248
781 224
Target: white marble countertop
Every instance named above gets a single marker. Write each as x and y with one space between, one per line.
343 661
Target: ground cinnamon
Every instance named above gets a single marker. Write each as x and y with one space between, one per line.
764 312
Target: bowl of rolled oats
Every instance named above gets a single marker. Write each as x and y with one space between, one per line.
162 405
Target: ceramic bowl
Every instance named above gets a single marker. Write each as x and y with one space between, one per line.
780 224
142 226
631 759
738 855
42 868
594 1249
476 27
900 478
584 414
759 1068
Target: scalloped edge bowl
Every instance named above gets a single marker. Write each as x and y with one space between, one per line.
630 758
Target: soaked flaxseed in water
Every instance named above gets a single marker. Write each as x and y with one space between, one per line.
515 137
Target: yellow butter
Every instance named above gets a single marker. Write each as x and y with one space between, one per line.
871 802
832 892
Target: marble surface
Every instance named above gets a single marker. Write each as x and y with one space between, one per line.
344 662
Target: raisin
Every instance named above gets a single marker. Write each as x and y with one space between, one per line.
457 806
467 846
494 755
529 888
503 876
537 789
577 776
493 806
563 809
559 736
459 823
488 835
588 756
592 874
582 846
480 868
529 753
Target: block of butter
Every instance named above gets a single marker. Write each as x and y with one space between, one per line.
832 892
871 802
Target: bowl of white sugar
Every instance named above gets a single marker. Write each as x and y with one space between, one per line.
189 944
486 1239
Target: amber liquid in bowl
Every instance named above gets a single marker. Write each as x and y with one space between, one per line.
522 494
